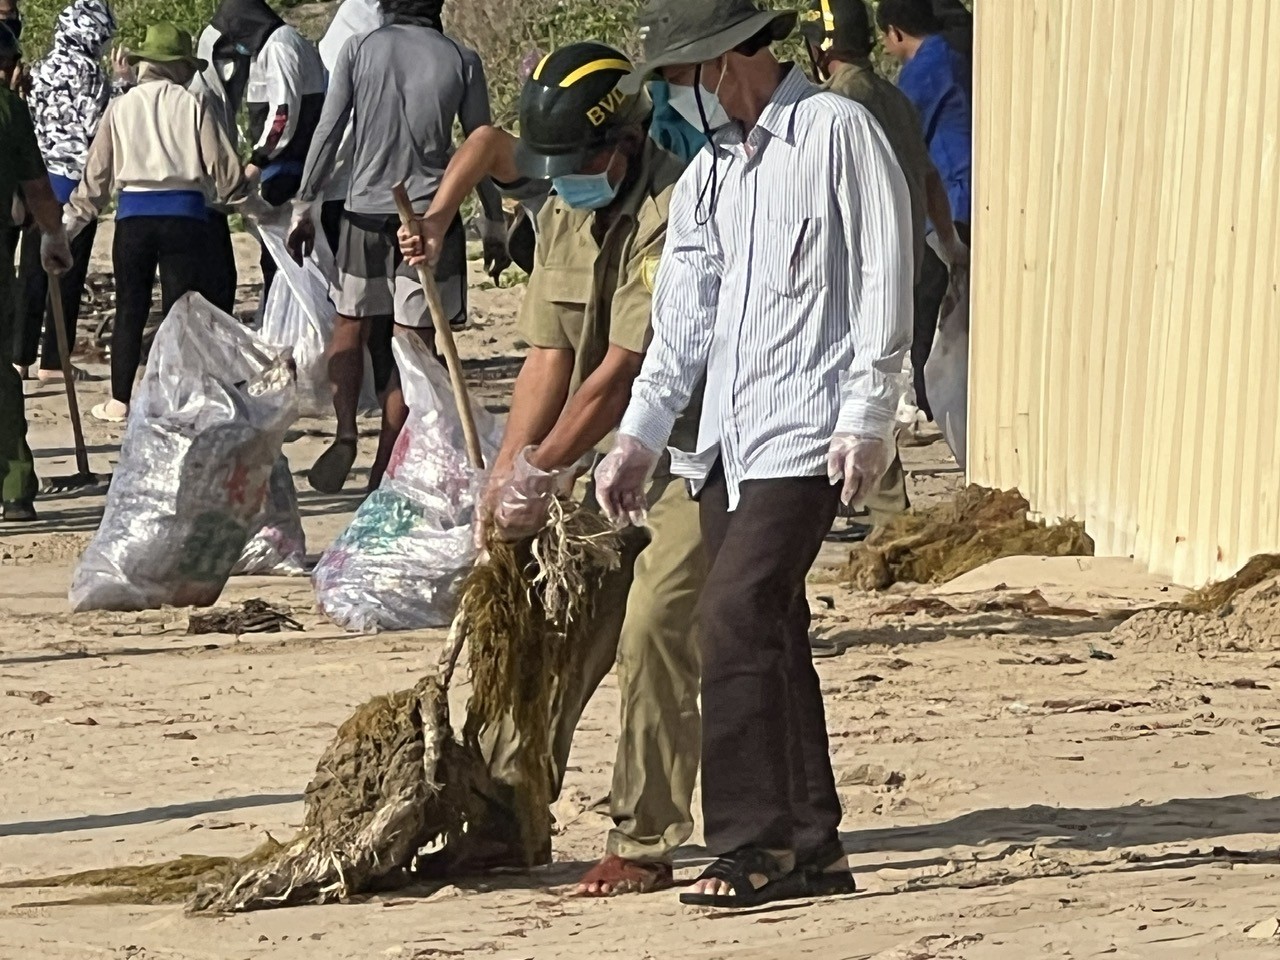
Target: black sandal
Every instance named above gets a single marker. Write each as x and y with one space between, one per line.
818 879
754 876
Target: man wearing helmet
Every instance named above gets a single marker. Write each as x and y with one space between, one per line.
586 317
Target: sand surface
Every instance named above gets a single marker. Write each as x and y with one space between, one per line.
1014 786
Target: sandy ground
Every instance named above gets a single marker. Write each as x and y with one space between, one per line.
1013 786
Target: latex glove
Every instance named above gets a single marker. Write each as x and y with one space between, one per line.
524 501
859 463
493 241
621 479
302 233
55 252
256 207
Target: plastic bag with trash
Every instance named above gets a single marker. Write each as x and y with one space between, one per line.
299 315
279 545
946 372
205 427
398 564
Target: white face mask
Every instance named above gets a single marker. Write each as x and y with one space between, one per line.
684 102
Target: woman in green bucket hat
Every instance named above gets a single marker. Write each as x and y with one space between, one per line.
163 155
166 43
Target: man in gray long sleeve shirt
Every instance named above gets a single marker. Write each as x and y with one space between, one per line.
400 87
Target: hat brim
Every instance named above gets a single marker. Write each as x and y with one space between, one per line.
140 56
781 22
544 166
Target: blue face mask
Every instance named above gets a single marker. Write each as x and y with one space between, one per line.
669 128
586 191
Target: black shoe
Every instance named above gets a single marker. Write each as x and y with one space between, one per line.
20 511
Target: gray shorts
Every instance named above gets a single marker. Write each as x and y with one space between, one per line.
374 280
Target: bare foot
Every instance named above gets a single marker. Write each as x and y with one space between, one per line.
614 875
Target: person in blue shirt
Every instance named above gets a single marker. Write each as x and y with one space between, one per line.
934 77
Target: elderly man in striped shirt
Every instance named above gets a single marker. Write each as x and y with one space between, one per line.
786 279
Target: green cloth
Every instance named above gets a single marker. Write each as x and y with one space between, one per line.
20 161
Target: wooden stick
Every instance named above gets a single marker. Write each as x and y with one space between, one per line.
68 373
444 337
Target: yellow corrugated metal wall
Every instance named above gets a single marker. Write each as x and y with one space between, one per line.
1125 349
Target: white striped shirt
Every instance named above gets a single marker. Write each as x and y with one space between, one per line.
794 297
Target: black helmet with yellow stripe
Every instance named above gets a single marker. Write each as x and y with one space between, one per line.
571 107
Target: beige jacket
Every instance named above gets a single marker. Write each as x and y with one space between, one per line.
158 136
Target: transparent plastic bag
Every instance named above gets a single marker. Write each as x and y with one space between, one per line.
299 315
398 564
279 547
946 373
205 427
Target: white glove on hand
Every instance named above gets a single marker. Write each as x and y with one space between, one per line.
55 252
621 479
858 462
523 501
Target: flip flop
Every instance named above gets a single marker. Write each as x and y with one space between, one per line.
329 473
78 374
627 876
100 413
756 878
825 872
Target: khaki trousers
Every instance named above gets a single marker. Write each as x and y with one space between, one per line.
644 622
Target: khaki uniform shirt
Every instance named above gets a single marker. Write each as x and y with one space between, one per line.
584 294
901 124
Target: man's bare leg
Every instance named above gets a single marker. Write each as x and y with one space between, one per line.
346 374
395 413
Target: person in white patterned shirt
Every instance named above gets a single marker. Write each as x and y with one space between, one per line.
786 279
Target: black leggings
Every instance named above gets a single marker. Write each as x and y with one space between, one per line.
181 248
34 284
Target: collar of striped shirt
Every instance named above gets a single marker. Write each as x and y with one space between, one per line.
778 118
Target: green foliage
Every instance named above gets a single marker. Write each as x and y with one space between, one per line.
133 16
506 32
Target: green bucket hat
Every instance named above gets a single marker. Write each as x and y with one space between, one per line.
677 32
165 43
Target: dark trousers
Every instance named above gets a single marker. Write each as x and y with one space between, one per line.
276 191
331 223
930 290
36 314
766 769
17 465
220 265
180 247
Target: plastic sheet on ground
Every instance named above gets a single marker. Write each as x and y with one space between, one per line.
278 547
398 564
299 315
204 430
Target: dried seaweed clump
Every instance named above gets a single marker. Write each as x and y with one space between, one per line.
944 541
520 610
1215 596
393 781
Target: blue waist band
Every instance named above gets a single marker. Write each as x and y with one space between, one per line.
161 203
280 168
63 187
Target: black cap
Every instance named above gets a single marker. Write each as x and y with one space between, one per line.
570 107
677 32
840 25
